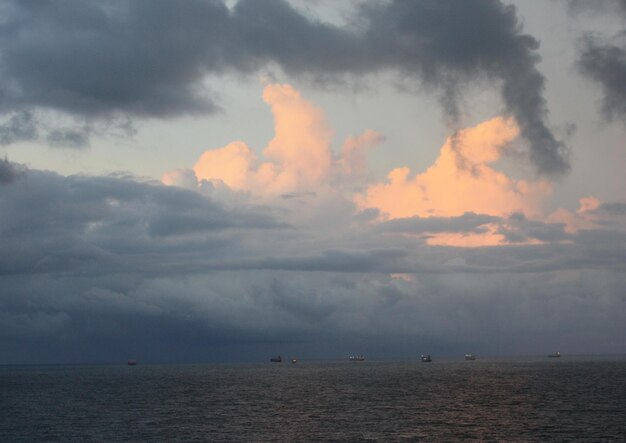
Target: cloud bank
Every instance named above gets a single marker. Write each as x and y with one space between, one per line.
110 268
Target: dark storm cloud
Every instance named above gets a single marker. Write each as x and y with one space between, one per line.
518 229
602 59
109 268
605 63
9 172
329 260
141 57
149 58
450 43
50 223
445 44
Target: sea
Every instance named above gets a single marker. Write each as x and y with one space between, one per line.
521 400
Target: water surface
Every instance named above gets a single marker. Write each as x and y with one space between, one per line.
544 400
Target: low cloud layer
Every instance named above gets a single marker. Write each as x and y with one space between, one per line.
152 58
106 268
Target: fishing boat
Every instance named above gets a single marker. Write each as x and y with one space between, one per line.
470 357
294 361
132 362
276 359
557 354
426 358
357 358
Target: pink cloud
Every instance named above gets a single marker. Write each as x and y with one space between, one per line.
298 159
582 218
461 180
232 164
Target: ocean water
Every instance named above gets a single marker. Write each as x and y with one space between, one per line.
562 399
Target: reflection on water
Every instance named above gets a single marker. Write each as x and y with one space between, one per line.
513 401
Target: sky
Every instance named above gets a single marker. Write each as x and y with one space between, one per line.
212 181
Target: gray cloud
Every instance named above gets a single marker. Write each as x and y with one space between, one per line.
9 172
76 138
450 43
19 126
467 223
613 208
603 6
602 59
49 223
108 268
149 58
445 44
89 58
517 229
605 63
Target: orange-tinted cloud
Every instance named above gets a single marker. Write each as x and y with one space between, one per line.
232 164
583 218
298 159
353 159
461 180
299 154
184 178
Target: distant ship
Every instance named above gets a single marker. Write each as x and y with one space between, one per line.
276 359
132 362
294 360
426 358
557 354
357 358
470 357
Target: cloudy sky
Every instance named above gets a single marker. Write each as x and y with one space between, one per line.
228 180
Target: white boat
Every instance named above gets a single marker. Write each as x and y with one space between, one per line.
357 358
557 354
470 357
426 358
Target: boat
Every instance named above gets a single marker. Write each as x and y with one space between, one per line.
294 361
470 357
276 359
357 358
557 354
426 358
132 362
